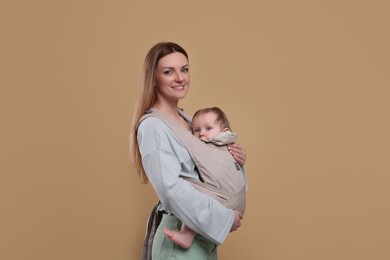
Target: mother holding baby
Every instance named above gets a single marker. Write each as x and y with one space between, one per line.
160 157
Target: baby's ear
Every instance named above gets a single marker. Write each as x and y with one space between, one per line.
226 129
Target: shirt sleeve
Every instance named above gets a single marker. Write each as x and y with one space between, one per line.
160 152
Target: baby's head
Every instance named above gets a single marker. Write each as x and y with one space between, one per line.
208 122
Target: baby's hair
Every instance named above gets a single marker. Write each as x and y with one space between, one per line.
221 116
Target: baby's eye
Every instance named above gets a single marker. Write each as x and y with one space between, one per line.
209 128
196 130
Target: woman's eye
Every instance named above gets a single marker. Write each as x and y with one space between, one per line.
167 72
185 69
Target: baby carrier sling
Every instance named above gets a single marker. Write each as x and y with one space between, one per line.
221 177
225 183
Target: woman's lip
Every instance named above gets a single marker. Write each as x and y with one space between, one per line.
176 87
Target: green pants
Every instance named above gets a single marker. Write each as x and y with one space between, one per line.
164 249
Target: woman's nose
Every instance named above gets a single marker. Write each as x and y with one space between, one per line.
179 77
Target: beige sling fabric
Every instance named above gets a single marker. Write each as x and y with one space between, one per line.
221 176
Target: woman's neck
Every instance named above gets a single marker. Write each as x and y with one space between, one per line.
171 110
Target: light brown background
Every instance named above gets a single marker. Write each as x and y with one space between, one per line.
304 83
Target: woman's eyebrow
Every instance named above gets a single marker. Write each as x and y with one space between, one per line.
174 67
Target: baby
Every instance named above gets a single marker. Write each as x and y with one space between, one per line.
210 125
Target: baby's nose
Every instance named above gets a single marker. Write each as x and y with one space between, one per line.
202 138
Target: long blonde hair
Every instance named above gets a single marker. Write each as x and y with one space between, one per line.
147 97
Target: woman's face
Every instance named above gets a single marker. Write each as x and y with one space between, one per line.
172 77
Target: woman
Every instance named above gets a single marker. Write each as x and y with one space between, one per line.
160 157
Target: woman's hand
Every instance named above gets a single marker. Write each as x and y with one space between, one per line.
237 221
238 153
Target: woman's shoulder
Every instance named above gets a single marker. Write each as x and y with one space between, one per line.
153 125
153 131
151 122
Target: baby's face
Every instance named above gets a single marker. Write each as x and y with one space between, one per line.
205 126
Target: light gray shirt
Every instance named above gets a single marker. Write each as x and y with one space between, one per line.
165 160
